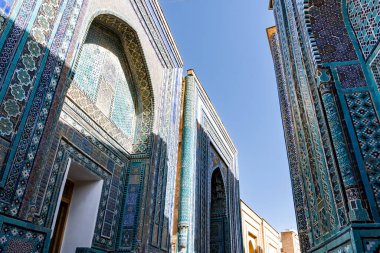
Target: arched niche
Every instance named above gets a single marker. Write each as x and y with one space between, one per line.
251 248
218 214
111 83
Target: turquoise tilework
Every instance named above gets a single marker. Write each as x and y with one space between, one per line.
5 10
367 128
123 108
102 75
365 20
371 245
88 71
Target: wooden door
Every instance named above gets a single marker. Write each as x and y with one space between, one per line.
60 224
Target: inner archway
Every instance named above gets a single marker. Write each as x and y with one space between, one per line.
251 249
109 104
103 76
218 215
112 83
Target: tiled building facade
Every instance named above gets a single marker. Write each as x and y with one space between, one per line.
90 116
209 206
325 54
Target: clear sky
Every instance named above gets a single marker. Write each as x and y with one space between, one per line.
225 42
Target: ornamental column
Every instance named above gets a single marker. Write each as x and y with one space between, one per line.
341 146
187 164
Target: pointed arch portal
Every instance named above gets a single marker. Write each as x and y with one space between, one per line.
251 248
218 215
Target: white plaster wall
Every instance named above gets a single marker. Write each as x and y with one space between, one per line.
272 238
82 215
268 239
251 224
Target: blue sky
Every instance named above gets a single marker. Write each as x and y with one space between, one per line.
225 42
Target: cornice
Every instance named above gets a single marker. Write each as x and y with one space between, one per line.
270 31
205 98
158 31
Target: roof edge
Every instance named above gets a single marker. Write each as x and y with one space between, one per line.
270 31
224 131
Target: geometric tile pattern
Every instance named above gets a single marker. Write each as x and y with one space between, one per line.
166 144
101 74
317 171
365 20
161 189
30 85
367 128
208 180
219 189
345 248
322 116
150 28
24 75
35 122
325 215
331 44
341 148
5 6
5 11
97 117
213 185
343 152
351 76
187 163
165 162
111 197
330 40
12 38
307 213
18 239
371 245
291 145
19 170
215 173
132 205
329 31
140 74
133 197
51 72
167 149
203 202
375 67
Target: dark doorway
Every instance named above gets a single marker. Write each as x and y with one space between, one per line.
251 249
59 229
219 242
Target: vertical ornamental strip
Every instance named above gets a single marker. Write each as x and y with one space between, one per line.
187 164
356 210
290 140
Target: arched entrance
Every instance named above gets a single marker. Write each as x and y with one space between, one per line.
218 215
251 248
110 101
112 86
